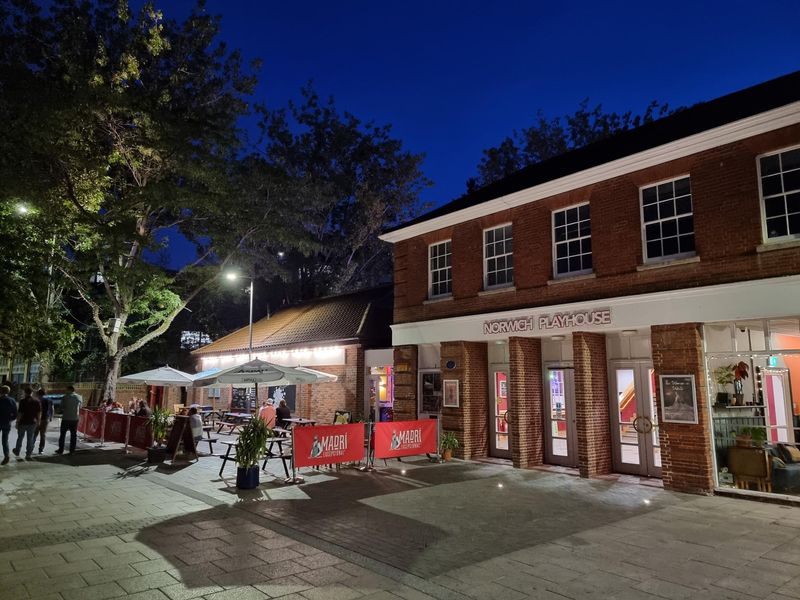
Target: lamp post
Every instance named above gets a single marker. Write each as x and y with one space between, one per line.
233 277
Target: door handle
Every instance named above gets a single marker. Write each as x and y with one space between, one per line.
636 425
505 417
648 425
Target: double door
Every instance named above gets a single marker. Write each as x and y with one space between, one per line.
634 421
560 434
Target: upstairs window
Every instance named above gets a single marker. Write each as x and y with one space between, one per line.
498 257
440 269
572 241
780 193
668 220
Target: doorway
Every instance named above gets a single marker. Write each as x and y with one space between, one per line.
634 421
561 440
499 434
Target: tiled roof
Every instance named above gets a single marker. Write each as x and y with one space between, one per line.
362 316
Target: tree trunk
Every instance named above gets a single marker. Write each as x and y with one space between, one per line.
112 374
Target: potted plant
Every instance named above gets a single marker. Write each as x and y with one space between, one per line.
740 373
159 421
751 437
723 377
448 443
250 449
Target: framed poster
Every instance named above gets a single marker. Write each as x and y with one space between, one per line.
678 399
450 393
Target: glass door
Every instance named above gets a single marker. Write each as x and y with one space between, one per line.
499 434
560 433
634 420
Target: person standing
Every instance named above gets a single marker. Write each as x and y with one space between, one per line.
8 413
28 417
46 417
70 412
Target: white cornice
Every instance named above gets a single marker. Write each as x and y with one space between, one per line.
699 142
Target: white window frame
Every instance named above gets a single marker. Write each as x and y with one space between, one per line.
765 239
671 257
556 274
496 286
430 270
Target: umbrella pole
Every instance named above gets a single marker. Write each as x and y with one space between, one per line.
256 409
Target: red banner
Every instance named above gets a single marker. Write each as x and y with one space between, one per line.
140 435
116 428
327 444
406 438
94 424
82 420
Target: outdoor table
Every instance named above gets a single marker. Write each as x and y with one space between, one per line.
237 420
280 440
205 414
227 456
300 422
208 429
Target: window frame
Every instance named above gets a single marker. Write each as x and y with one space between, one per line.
496 286
553 242
430 270
643 225
765 239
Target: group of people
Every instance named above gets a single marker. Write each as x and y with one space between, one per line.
32 416
137 408
272 416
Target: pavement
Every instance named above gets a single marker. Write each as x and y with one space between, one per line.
104 524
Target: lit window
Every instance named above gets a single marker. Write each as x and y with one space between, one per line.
572 241
441 270
667 220
498 257
780 193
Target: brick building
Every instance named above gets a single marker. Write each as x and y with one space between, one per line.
567 298
347 336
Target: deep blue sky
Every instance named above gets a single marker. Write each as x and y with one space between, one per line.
456 77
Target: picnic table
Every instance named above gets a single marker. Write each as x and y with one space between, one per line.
300 422
284 456
234 420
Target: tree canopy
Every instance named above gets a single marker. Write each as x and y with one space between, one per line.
549 137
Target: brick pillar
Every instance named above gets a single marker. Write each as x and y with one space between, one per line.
525 401
591 403
686 460
360 375
405 383
470 420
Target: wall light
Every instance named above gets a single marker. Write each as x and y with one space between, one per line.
558 338
628 332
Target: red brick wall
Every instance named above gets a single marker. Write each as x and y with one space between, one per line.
591 404
685 449
470 420
405 383
321 400
525 402
727 232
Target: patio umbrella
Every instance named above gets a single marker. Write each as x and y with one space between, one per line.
161 376
259 371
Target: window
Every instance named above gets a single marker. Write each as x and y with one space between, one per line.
441 270
572 241
780 193
667 220
498 257
18 370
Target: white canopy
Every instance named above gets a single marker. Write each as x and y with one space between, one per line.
161 376
259 371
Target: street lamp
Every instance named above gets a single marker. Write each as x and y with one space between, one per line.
233 276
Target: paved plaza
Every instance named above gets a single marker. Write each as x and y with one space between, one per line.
103 524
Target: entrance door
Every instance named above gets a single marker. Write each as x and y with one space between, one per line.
561 442
634 420
499 434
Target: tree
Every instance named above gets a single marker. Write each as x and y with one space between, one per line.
547 138
353 180
125 127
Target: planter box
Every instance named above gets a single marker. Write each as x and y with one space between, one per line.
247 478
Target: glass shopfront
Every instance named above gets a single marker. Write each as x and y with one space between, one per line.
753 370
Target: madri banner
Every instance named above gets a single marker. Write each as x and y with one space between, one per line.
94 424
116 428
328 444
405 438
141 436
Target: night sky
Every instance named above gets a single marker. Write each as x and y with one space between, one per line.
456 77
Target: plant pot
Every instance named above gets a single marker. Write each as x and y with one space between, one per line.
156 455
723 398
447 454
744 441
247 478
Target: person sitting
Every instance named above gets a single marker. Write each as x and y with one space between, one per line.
143 410
196 423
132 406
267 413
108 406
283 413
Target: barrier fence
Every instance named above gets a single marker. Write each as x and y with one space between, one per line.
311 446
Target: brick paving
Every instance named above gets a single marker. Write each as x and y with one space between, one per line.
100 524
